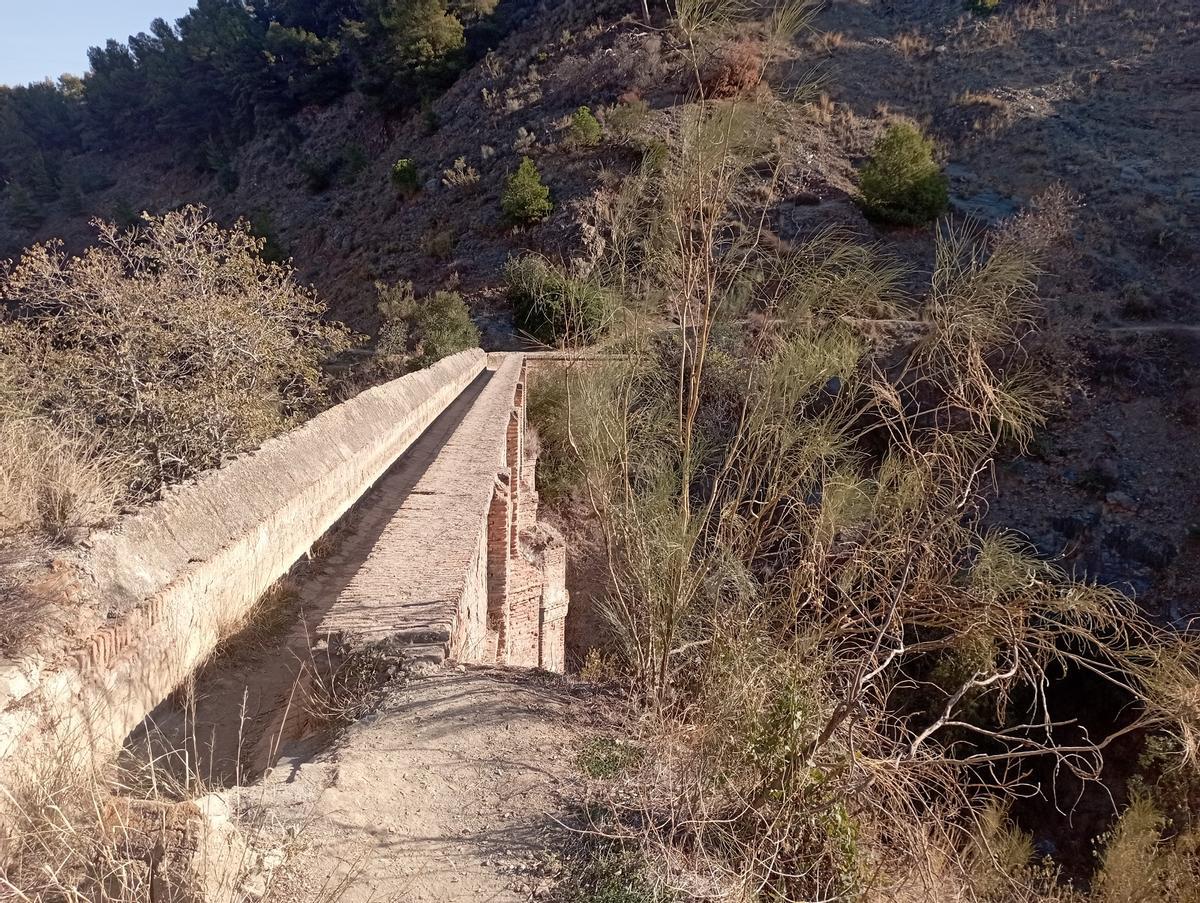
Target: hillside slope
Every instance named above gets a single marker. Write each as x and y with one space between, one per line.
1097 96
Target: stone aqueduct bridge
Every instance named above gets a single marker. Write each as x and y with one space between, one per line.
456 565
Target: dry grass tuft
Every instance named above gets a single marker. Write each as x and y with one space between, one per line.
54 481
913 44
78 836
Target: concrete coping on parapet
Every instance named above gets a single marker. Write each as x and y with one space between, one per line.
552 355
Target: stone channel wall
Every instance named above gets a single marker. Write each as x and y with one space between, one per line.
527 604
185 570
464 570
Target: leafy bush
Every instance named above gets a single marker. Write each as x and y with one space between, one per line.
585 129
902 182
353 160
551 306
608 873
418 332
625 120
217 348
604 757
404 176
263 227
525 198
550 410
438 243
23 210
124 215
319 174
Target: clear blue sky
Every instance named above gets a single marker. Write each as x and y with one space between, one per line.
45 38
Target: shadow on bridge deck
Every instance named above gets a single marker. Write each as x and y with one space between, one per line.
244 703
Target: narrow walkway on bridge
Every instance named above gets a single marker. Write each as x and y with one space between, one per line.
454 786
232 715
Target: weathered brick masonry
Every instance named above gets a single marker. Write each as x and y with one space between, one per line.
464 570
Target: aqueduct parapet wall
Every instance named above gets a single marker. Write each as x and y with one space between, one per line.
184 571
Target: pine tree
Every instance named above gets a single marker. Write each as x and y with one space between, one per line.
526 199
902 183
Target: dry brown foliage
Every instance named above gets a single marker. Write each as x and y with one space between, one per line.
734 69
173 344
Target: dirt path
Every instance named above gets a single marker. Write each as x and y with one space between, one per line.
450 792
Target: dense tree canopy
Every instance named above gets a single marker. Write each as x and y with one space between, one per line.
214 76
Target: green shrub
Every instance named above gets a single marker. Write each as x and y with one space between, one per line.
124 216
585 128
438 243
625 120
981 7
263 228
604 757
404 176
23 210
607 873
525 199
550 412
902 182
418 332
430 120
551 306
353 160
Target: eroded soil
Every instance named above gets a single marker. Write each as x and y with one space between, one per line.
454 790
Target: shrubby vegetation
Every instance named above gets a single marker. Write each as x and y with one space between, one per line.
552 307
625 120
585 128
419 332
169 347
525 198
404 177
405 50
461 175
902 182
847 676
224 69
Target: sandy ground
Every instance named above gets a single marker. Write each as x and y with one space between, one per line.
451 791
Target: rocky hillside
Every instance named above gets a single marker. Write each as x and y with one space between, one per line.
1097 96
1102 98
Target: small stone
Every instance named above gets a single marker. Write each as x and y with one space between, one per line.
1107 470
